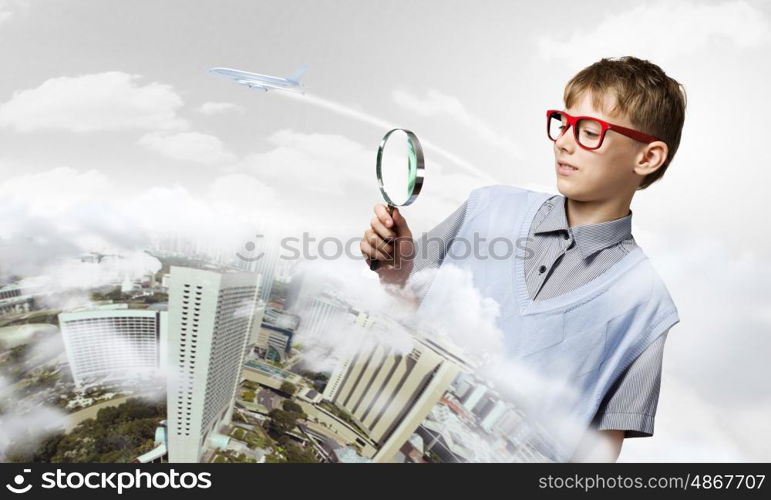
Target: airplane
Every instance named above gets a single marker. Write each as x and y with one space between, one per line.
264 82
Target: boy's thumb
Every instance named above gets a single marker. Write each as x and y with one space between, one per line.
399 222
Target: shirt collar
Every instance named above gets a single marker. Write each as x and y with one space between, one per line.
590 238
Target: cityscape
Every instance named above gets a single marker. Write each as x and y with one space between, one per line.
219 359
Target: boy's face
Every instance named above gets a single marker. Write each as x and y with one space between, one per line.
603 173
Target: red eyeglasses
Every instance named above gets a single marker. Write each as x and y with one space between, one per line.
588 131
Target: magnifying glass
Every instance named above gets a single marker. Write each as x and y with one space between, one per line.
400 170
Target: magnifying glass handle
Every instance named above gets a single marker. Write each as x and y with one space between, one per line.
374 265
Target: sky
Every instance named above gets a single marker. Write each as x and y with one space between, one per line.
112 130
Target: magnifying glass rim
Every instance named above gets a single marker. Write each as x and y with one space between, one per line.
419 167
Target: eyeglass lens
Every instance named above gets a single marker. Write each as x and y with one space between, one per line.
589 131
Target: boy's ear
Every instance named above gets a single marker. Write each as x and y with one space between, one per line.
652 157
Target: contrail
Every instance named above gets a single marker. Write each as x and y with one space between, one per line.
344 110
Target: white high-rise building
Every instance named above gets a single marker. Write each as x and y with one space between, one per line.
473 397
210 319
113 344
493 416
324 312
262 257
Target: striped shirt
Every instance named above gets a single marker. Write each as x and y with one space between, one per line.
560 258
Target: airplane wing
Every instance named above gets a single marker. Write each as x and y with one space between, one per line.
252 84
267 85
272 86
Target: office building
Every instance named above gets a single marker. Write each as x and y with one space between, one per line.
389 393
210 320
113 343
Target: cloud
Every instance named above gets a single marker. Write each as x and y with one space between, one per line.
63 212
176 211
321 163
55 190
71 274
438 104
60 212
9 8
213 108
463 311
662 31
95 102
23 429
363 117
188 146
244 193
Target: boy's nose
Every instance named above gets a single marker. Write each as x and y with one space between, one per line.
566 139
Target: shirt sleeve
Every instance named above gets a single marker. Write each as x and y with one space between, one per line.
430 250
431 247
630 404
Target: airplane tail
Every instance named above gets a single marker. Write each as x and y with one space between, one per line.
298 74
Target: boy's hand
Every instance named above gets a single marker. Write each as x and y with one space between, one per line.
389 240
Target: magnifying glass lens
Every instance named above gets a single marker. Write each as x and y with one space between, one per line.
398 168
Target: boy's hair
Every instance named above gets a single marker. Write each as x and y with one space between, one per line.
654 102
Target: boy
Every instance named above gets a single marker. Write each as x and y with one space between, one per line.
578 246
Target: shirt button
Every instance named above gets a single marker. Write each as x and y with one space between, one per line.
542 269
566 236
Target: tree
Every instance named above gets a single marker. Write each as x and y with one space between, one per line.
48 448
298 454
117 434
116 294
282 421
252 386
19 352
291 406
288 388
274 458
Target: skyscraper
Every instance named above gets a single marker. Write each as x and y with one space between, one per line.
323 312
262 257
210 319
